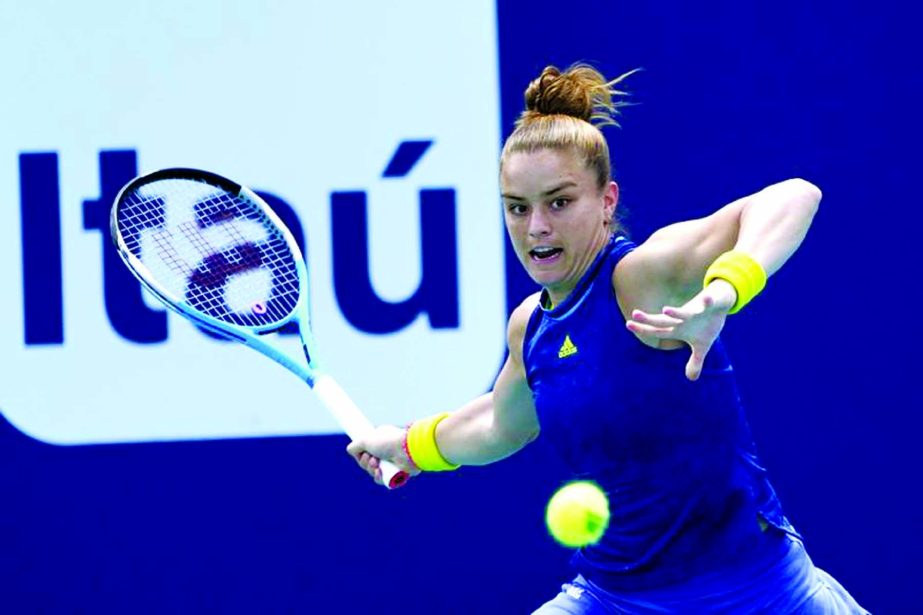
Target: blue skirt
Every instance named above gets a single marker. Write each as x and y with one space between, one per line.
789 584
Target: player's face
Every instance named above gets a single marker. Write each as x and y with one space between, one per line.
556 216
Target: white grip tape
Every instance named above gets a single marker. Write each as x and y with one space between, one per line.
343 409
354 423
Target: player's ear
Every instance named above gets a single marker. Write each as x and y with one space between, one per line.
610 201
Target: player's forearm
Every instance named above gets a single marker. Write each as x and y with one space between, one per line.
472 435
775 221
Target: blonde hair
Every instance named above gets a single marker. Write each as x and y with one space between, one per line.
565 110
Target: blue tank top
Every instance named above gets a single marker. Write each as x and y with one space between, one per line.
675 457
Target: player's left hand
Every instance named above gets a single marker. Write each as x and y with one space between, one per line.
697 323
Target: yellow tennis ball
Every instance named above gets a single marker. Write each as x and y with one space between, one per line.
578 514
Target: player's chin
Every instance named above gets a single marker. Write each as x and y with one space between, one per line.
543 277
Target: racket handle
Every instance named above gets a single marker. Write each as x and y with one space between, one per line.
354 423
391 475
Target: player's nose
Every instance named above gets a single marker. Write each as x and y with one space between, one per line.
539 224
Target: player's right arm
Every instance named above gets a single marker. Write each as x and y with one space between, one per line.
488 428
501 422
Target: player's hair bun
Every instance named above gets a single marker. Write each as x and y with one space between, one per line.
581 91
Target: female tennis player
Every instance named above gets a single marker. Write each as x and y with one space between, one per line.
596 365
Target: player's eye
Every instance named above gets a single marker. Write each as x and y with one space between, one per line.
560 203
517 209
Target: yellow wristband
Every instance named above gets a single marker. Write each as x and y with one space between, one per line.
741 271
420 445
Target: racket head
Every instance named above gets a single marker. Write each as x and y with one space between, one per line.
211 250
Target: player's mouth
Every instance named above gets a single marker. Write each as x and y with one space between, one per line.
545 254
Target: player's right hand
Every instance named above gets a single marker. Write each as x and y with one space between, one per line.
384 442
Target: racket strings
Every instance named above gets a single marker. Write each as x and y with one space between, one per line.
282 264
214 251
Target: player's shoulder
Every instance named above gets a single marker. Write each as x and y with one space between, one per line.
644 270
520 316
519 320
646 256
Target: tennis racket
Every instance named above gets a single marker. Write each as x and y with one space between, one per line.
213 251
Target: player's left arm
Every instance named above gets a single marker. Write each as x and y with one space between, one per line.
662 278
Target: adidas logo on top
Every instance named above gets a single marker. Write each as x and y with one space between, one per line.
567 348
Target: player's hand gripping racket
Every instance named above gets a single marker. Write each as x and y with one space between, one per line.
214 252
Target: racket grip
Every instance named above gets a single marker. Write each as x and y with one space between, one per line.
355 424
391 475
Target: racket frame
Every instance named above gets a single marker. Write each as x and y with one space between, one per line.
337 402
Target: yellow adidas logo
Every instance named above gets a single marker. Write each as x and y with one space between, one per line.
567 348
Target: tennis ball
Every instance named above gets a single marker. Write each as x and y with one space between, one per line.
578 514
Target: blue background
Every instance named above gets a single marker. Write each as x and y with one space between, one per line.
734 96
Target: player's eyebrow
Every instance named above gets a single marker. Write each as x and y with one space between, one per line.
565 184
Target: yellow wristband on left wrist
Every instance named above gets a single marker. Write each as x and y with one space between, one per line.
741 271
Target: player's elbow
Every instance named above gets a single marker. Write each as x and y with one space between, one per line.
808 195
524 438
